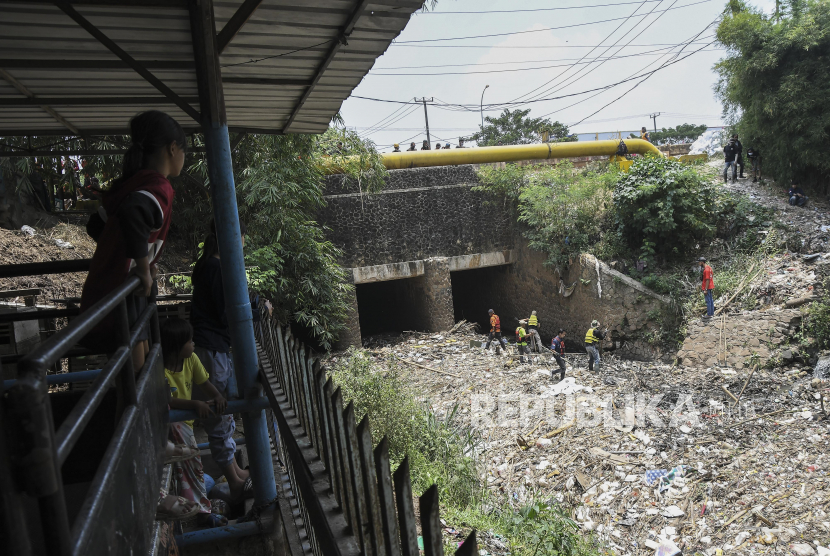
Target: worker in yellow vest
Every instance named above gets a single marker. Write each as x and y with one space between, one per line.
593 339
533 330
521 341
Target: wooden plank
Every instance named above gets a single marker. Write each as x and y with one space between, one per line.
370 486
235 23
406 511
6 294
386 498
430 524
361 503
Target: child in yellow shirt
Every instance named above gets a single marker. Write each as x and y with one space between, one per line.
183 369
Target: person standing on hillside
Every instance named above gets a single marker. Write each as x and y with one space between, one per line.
645 135
593 338
557 346
754 156
739 159
708 287
495 332
411 147
730 153
533 330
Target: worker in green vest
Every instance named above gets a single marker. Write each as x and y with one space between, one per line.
593 338
521 341
533 330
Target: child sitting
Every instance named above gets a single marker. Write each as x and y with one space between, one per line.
182 369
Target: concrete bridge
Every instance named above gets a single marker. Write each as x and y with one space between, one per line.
429 250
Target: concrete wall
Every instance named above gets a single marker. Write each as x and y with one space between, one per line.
422 213
738 340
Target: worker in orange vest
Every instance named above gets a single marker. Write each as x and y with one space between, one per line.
708 287
495 332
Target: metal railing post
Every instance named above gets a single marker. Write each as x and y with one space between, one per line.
238 304
126 376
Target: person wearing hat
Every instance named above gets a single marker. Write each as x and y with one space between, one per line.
593 338
495 332
397 148
708 287
521 341
533 330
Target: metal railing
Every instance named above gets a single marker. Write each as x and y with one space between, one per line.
118 508
349 500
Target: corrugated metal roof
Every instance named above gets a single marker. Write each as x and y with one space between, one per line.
267 68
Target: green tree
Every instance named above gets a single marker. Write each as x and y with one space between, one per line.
516 128
774 83
663 207
684 133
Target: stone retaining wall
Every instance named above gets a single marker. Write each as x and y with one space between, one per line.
738 340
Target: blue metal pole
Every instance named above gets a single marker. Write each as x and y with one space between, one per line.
62 378
218 534
238 305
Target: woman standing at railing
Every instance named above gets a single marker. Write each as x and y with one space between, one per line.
132 223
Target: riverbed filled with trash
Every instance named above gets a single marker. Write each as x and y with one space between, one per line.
648 457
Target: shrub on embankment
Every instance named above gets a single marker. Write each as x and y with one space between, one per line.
445 451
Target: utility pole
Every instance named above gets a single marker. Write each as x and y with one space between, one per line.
426 118
654 117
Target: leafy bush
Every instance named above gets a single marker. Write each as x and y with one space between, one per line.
441 451
566 211
516 128
663 207
817 323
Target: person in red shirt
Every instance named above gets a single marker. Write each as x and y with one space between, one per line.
708 287
131 225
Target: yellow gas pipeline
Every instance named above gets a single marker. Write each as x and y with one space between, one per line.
508 153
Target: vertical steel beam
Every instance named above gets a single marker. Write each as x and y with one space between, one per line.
226 216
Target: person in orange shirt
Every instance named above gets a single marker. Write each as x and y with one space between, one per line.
708 287
495 332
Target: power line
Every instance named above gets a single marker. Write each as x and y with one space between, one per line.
535 47
545 29
608 37
537 9
603 60
575 79
392 122
254 61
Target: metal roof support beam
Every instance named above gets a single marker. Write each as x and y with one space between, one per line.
67 8
85 101
226 216
235 23
91 64
343 37
30 95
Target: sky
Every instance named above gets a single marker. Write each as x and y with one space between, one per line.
544 54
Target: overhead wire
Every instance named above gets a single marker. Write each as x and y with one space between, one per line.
544 29
392 122
603 60
536 9
667 63
381 122
575 78
535 47
608 37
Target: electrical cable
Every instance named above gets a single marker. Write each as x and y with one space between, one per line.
603 60
278 55
640 82
545 29
608 37
381 122
535 47
396 120
573 79
537 9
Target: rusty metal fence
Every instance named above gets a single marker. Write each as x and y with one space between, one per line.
347 498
